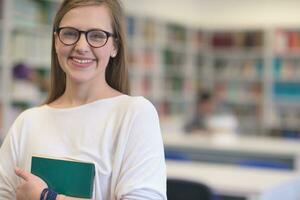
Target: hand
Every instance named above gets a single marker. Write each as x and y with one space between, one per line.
31 186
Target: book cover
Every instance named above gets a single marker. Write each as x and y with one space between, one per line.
67 177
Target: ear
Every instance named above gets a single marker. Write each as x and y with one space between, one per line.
114 51
113 54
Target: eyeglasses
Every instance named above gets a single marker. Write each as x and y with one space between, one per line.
95 37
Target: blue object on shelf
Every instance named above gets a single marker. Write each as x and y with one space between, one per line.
175 155
293 134
259 68
264 164
277 65
130 26
287 90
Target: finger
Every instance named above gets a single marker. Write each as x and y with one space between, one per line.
22 174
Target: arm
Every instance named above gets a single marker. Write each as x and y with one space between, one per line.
62 197
11 187
143 172
8 161
32 187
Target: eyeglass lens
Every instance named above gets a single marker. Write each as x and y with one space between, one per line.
95 38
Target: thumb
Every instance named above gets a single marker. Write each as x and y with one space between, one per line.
22 173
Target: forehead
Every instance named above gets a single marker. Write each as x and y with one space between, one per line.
87 17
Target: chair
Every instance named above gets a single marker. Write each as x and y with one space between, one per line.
188 190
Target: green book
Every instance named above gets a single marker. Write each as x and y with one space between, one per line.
67 177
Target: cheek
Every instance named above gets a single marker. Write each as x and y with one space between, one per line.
104 53
62 55
103 57
62 51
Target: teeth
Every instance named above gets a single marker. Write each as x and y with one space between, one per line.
82 61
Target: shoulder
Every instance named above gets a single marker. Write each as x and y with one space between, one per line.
139 104
32 111
136 109
29 114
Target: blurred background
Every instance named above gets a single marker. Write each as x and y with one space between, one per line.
244 54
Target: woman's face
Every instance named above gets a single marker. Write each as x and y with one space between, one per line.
81 62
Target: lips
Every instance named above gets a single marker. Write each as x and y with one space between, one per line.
82 62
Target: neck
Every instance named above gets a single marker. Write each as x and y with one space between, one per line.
79 94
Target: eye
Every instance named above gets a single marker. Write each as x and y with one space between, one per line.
69 33
97 36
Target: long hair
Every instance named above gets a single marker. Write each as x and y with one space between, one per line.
116 73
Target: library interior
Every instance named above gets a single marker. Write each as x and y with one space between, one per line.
223 75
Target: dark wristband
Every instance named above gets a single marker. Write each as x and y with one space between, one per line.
43 194
51 195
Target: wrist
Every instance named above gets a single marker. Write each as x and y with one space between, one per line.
61 197
48 194
43 194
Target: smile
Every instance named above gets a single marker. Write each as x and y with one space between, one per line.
82 61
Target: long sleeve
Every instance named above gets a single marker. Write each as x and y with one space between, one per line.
143 172
8 162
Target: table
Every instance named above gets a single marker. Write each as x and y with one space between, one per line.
234 149
236 181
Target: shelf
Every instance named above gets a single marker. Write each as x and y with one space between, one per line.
287 103
28 40
141 71
287 80
237 69
242 101
31 26
239 80
290 54
34 12
287 41
238 54
35 62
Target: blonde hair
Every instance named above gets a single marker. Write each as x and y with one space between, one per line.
116 73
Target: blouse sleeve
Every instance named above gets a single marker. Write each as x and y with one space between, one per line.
143 172
8 162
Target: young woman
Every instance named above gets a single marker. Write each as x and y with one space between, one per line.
89 115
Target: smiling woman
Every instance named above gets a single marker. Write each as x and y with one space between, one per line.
88 115
80 61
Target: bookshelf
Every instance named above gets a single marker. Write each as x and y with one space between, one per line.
238 66
4 63
286 82
253 71
25 45
161 60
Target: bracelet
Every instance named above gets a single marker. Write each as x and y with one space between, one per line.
48 194
51 195
43 194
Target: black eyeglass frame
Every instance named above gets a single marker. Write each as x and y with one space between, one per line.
108 34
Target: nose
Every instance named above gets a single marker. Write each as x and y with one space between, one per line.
82 44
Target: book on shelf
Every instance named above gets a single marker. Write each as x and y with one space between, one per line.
67 177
